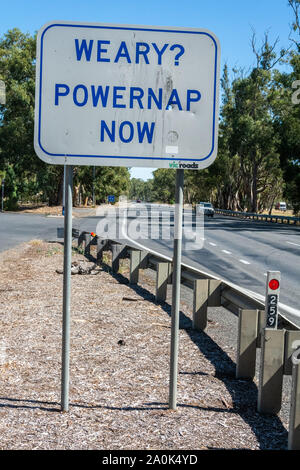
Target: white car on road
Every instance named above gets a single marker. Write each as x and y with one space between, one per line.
205 208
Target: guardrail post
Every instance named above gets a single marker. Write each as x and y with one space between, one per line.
80 239
101 244
260 324
162 274
214 298
271 371
246 348
201 293
144 259
87 244
135 259
294 424
116 250
170 279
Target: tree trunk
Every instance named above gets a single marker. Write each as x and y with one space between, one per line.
254 189
272 204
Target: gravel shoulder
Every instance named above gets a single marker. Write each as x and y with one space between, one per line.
120 347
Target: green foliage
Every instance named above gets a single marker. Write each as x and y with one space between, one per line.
164 185
107 181
259 139
140 189
28 178
10 190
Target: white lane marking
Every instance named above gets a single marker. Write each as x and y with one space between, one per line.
227 252
244 261
291 243
212 244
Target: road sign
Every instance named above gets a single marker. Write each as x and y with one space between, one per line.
272 299
120 95
111 198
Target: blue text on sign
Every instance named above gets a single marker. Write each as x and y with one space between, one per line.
100 51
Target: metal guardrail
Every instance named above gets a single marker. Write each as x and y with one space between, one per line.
232 298
276 346
262 217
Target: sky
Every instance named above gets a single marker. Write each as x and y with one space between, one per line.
231 20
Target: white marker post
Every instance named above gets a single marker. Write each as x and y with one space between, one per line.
272 351
131 96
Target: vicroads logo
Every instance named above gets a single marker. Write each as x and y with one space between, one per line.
183 165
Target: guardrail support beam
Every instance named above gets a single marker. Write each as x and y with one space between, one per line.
144 259
201 293
101 244
246 348
116 250
214 298
271 371
290 337
170 278
261 321
294 424
162 274
135 260
80 239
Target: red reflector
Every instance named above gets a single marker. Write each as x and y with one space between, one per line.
274 284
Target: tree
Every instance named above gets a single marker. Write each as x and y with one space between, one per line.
248 140
17 59
28 176
287 116
140 189
164 185
108 181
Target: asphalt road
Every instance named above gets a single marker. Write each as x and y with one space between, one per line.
16 228
239 251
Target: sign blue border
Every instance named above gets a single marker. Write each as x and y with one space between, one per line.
126 28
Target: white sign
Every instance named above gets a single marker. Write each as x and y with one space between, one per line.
142 96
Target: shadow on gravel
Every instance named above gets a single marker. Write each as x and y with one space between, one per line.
29 404
268 429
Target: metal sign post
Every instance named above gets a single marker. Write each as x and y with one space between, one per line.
64 191
67 289
94 175
176 288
